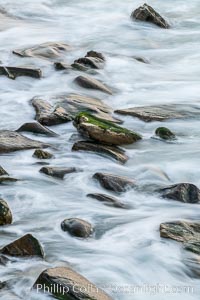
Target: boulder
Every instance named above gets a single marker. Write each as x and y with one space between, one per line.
114 182
13 141
71 285
91 83
25 246
103 131
164 133
47 115
58 172
147 14
183 192
41 154
14 72
5 213
37 128
49 51
107 200
110 151
2 171
162 112
77 227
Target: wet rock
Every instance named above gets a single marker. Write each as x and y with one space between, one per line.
77 227
25 246
141 59
14 72
7 179
114 182
93 59
5 213
36 127
183 192
41 154
104 131
74 285
193 246
107 200
74 104
110 151
91 83
147 14
162 112
60 66
2 171
47 115
164 133
58 172
12 141
48 51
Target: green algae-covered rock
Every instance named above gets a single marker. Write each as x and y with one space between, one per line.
5 213
104 131
165 134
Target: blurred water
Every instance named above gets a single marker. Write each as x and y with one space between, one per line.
127 248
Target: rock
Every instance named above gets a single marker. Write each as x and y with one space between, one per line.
103 131
41 154
110 151
47 115
107 200
141 59
92 60
162 112
2 171
91 83
5 213
58 172
60 66
114 182
74 104
165 134
7 179
24 247
148 14
77 227
183 192
74 285
36 127
13 141
13 72
48 51
193 246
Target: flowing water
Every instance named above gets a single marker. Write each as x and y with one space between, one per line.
126 250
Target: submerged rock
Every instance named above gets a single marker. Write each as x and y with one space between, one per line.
60 66
77 227
183 192
41 154
47 115
107 200
2 171
110 151
7 179
93 59
14 72
46 50
74 285
114 182
162 112
36 127
12 141
104 131
5 213
25 246
165 134
148 14
58 172
141 59
91 83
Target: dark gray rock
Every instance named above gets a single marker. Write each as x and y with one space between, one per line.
13 141
164 133
58 172
2 171
41 154
147 14
25 246
108 200
114 182
14 72
110 151
36 127
77 227
60 66
92 60
141 59
91 83
67 279
183 192
5 213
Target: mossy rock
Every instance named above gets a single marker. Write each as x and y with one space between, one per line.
5 213
104 131
41 154
164 133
